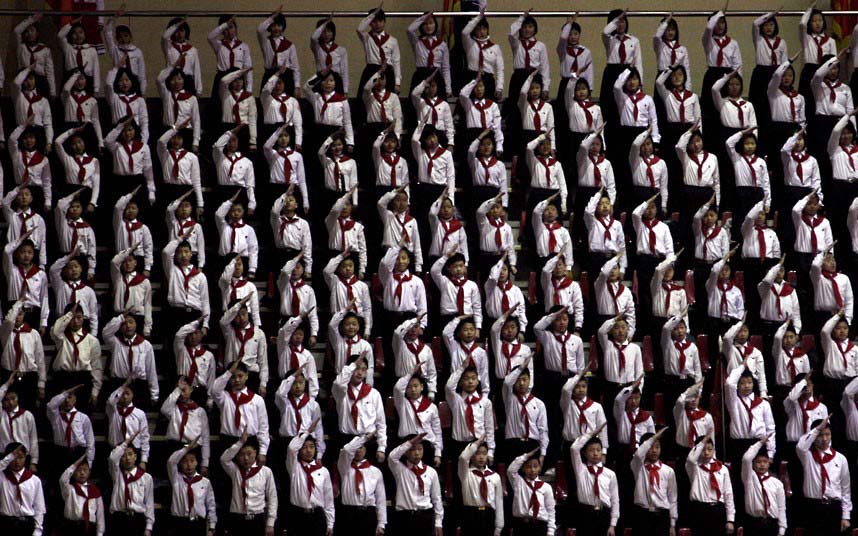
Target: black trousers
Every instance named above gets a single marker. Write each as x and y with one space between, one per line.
310 522
76 528
707 519
415 522
183 526
822 518
123 524
764 526
355 521
477 521
650 522
240 525
527 526
592 522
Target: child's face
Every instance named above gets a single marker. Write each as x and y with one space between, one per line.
246 457
183 255
129 459
25 197
710 218
81 473
746 386
77 36
446 210
816 23
479 90
503 276
299 386
10 401
237 84
654 452
347 268
351 326
402 261
131 211
647 148
582 92
232 145
788 78
75 324
457 269
812 206
188 464
708 452
580 391
620 331
238 269
669 33
841 331
734 87
276 29
561 323
633 83
768 28
359 375
496 211
329 83
650 212
177 82
429 26
574 37
604 207
73 270
80 84
389 145
695 144
724 274
377 25
481 32
77 145
297 337
622 25
834 72
481 457
236 212
283 139
414 455
509 331
400 202
123 37
308 451
679 332
242 319
180 34
829 264
532 469
124 83
129 264
790 339
414 390
720 27
693 402
238 380
29 82
194 338
129 326
522 384
823 440
337 147
749 146
327 35
550 214
486 147
24 255
593 453
633 402
469 381
128 133
743 335
668 274
544 148
534 92
468 332
677 78
595 148
183 211
31 34
29 142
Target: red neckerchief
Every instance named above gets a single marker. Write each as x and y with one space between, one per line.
32 98
673 46
391 161
460 292
379 40
504 288
750 162
713 233
359 467
346 225
484 485
231 46
189 482
328 48
773 47
424 404
849 347
483 46
597 173
194 354
431 159
450 226
190 275
635 98
821 459
652 238
552 238
185 408
25 475
16 345
128 479
30 159
654 474
832 89
238 400
309 469
712 468
786 290
135 280
25 216
130 228
418 471
178 97
349 284
242 339
332 98
297 406
181 49
740 113
26 275
92 492
635 420
585 106
749 408
176 156
482 105
433 103
509 350
596 471
381 97
681 95
574 51
498 224
791 94
70 336
799 158
533 503
536 107
558 285
621 47
405 219
278 47
806 406
693 415
835 288
470 400
722 43
696 159
363 391
650 161
813 222
234 285
523 413
130 344
401 278
431 43
245 476
547 164
561 339
80 97
127 100
621 353
583 423
615 294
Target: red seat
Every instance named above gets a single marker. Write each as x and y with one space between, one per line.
584 281
502 473
658 409
271 288
775 220
627 531
757 342
623 216
646 352
689 286
740 531
378 350
674 216
531 288
377 288
783 474
726 217
389 408
703 351
807 343
522 225
684 532
445 414
561 485
335 481
792 278
448 480
594 354
436 353
570 532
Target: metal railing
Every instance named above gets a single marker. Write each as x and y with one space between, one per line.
408 14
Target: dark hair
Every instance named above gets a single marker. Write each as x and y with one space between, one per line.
424 22
419 377
582 80
122 28
186 79
684 75
817 422
595 440
575 27
73 27
737 76
354 358
747 374
672 24
739 144
537 80
482 23
428 130
241 366
252 442
183 25
352 314
279 19
135 81
774 19
614 13
463 322
725 22
813 12
88 87
467 370
530 20
514 320
556 308
458 257
379 15
646 437
225 18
